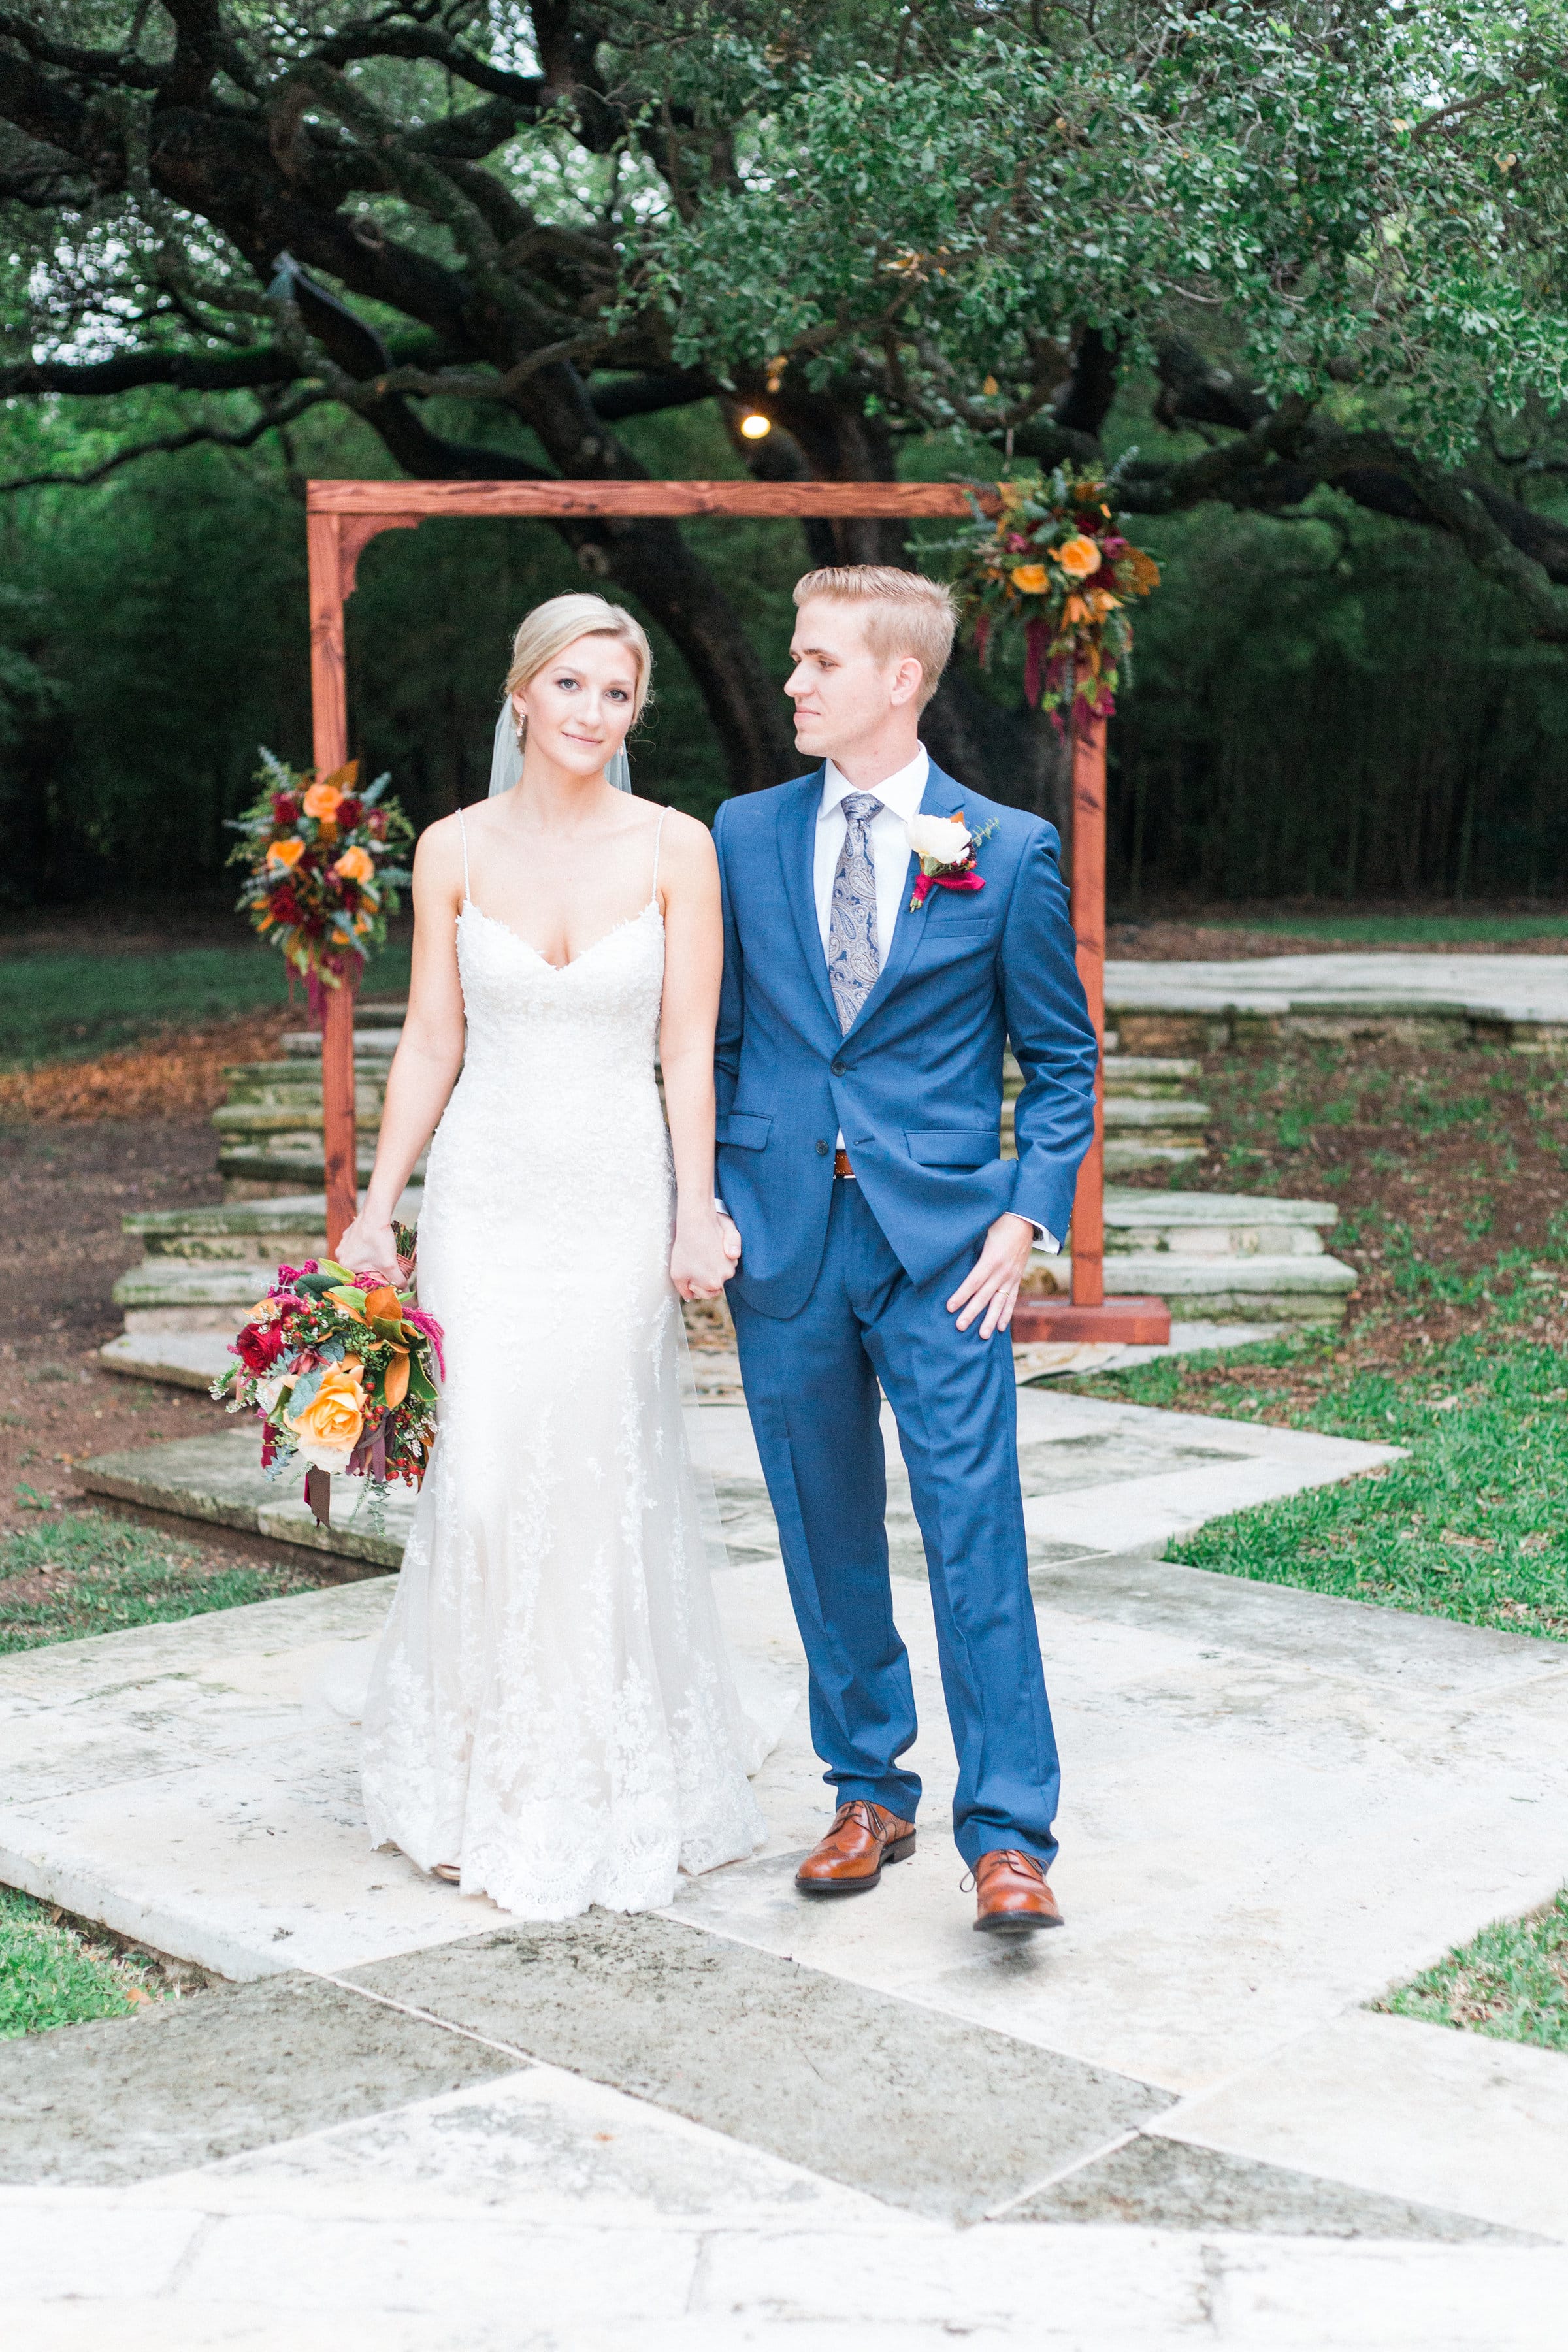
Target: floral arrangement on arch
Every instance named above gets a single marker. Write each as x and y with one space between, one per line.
323 869
341 1371
1055 561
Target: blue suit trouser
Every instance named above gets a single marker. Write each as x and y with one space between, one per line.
811 1383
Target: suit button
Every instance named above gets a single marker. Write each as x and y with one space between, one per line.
821 1149
839 1068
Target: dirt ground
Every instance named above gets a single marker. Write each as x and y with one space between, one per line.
66 1186
1450 1171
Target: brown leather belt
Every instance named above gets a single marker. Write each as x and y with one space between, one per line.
841 1163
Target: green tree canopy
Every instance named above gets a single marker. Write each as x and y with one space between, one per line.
1328 236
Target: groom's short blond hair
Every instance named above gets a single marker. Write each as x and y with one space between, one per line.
904 613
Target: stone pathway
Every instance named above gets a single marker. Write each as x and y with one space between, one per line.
1527 994
748 2121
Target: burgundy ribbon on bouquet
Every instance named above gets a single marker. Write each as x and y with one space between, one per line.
319 1496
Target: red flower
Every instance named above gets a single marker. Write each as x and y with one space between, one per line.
260 1345
349 811
285 809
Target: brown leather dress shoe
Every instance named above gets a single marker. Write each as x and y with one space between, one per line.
850 1857
1012 1898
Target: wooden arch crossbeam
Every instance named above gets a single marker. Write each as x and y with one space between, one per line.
343 517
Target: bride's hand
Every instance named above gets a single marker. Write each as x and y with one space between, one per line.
700 1263
369 1247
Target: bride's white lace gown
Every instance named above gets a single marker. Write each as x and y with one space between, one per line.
551 1706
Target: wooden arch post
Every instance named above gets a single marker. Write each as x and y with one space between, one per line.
342 517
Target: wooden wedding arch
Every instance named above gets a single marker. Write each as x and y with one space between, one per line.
343 517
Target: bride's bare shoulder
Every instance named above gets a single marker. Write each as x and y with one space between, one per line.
685 844
438 857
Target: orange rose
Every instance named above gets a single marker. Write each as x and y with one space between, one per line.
1078 556
355 865
1075 610
329 1428
285 853
321 803
1032 579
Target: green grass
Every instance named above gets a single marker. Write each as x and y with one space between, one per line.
63 1007
78 1574
1470 1524
1510 1981
1397 931
51 1976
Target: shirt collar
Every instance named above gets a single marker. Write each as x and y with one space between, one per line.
902 792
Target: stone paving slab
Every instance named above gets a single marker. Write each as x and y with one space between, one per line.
187 2278
1404 2107
187 2082
1168 2184
1512 988
922 2112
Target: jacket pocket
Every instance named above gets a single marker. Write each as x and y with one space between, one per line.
748 1130
954 1147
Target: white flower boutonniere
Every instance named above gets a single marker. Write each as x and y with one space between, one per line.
945 847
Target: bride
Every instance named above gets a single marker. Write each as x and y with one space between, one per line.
552 1719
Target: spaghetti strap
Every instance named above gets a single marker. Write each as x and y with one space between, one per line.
463 833
657 830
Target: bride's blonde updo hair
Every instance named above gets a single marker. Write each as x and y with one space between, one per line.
551 628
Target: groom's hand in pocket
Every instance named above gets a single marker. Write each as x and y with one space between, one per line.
990 1288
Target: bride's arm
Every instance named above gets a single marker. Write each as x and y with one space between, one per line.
429 1053
700 1265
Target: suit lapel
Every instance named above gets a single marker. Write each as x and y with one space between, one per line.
942 797
797 857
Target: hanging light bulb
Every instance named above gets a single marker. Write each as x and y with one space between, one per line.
755 427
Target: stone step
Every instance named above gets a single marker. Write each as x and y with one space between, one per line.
295 1081
374 1046
174 1294
1299 1288
282 1229
1123 1153
253 1171
300 1118
1215 1225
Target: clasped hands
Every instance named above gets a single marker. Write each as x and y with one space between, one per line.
705 1253
708 1250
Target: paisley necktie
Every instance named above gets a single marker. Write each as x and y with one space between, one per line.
853 961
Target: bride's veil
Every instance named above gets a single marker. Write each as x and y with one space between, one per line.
506 758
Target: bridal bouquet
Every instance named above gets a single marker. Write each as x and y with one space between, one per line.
324 869
340 1370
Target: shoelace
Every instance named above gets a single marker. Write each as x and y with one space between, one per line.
1020 1861
861 1811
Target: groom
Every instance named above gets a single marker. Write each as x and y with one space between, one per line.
859 1087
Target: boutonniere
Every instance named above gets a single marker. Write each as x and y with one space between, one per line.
945 847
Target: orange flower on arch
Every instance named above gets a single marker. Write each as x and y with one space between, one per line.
355 865
1078 556
321 803
1032 578
285 853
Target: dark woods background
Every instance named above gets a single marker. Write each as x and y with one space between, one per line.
1331 705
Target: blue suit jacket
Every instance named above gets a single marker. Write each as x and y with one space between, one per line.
915 1085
